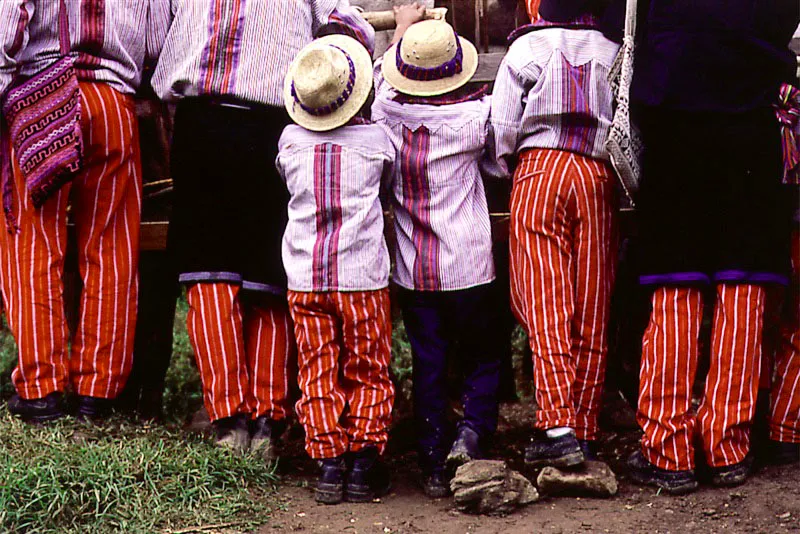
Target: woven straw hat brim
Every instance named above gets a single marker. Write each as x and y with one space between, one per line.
361 89
434 87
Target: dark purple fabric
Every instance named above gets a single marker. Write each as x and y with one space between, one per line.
746 277
459 96
714 55
679 279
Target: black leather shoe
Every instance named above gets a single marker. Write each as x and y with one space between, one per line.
330 485
233 433
436 485
731 475
264 434
49 408
782 453
466 448
673 482
589 449
368 478
93 409
563 451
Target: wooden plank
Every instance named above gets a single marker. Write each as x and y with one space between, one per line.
153 235
488 65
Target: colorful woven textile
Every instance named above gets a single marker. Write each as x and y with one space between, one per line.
788 114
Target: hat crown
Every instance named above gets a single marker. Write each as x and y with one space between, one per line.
429 44
321 76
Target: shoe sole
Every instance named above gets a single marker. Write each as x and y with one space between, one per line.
454 461
573 459
364 494
38 419
328 493
681 489
729 481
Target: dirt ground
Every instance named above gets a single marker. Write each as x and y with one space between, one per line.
769 502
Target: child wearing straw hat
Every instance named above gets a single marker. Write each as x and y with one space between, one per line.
443 258
551 110
334 163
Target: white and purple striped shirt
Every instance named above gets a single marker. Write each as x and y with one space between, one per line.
552 91
243 48
334 240
444 238
111 38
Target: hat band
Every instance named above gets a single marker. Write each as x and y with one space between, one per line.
339 102
423 74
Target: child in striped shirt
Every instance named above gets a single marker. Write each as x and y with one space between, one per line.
443 260
337 264
551 110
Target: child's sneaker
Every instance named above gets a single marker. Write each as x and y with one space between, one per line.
368 478
232 433
563 451
264 434
330 485
673 482
466 448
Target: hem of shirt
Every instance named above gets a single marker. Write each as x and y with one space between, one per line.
232 278
603 156
339 290
443 289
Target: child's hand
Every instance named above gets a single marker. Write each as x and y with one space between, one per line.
405 16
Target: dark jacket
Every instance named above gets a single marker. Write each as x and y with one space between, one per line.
714 55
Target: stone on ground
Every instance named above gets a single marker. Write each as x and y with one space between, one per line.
596 479
490 487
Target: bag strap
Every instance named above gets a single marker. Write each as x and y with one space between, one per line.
63 28
630 18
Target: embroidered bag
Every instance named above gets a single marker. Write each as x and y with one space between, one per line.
43 120
624 144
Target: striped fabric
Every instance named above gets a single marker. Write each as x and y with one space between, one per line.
552 92
106 203
111 38
243 48
334 240
562 263
442 223
243 349
532 7
785 418
669 364
344 350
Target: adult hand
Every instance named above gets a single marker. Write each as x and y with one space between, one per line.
405 16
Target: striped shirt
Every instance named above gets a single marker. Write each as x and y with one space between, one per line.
444 239
112 39
552 92
243 48
334 240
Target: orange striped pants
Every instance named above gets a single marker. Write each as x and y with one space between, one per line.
563 260
669 364
344 351
533 8
243 345
785 418
106 206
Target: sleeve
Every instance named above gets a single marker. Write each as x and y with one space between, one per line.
345 19
159 20
507 111
14 18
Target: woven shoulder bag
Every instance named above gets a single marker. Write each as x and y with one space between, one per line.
624 144
42 115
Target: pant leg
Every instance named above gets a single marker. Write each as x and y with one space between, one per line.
424 322
216 332
33 291
367 354
317 328
106 201
729 401
470 321
594 265
541 278
270 347
669 364
785 416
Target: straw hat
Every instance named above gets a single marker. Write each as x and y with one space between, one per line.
430 60
328 83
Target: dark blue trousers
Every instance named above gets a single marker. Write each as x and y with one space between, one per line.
440 323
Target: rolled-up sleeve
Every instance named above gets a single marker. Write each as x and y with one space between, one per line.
14 18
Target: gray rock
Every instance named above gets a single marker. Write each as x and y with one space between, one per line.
596 479
490 487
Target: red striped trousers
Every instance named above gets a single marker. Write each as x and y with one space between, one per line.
243 345
344 351
106 206
785 418
563 259
669 364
